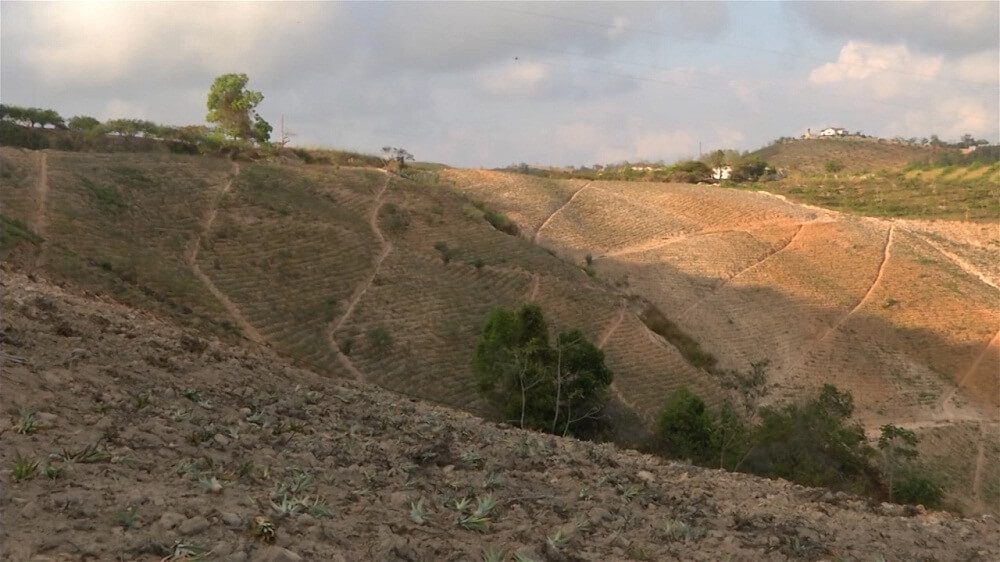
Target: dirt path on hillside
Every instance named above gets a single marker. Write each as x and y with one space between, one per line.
977 474
944 405
886 253
191 256
602 339
360 290
39 215
961 262
740 273
536 281
556 212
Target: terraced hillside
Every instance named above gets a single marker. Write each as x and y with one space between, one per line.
856 155
899 313
350 272
127 438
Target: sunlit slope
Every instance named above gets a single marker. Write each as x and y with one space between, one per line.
862 303
856 155
116 223
353 272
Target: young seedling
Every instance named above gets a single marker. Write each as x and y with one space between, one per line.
53 472
493 481
494 555
263 529
26 423
418 514
24 469
478 519
186 552
557 541
127 518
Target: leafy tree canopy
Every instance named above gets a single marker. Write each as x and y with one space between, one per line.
234 109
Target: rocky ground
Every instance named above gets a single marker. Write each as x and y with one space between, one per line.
124 438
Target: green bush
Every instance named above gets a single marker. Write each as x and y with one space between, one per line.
833 166
914 488
380 339
446 252
501 222
559 388
685 427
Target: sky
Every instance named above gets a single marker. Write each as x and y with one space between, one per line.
490 84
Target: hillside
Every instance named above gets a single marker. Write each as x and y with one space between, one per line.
896 312
856 155
155 444
355 273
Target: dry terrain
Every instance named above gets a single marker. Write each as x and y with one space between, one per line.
124 437
355 273
857 155
903 314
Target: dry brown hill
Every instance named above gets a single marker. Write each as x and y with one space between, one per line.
902 314
856 155
359 274
127 438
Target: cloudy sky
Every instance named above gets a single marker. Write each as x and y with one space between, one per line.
481 84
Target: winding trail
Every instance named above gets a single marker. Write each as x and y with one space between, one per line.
995 340
556 212
962 263
191 256
740 273
977 474
536 281
361 289
886 254
601 341
39 215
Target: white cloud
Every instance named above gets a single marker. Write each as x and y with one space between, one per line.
516 78
950 118
618 27
98 42
886 69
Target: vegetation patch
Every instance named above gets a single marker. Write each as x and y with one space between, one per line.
13 230
668 330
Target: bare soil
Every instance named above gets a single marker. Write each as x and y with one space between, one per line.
155 444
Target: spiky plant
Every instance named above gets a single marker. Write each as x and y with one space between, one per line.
26 423
418 514
24 468
493 555
557 541
263 529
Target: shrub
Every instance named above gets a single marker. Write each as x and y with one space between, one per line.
685 427
914 488
748 168
500 222
380 339
446 252
833 166
84 123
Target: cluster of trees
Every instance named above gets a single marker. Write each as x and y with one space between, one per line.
553 386
560 386
31 116
745 167
812 443
232 108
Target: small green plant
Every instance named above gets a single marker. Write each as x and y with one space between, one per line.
557 541
186 552
589 259
380 339
53 472
446 252
89 454
127 518
26 423
480 517
493 481
263 529
418 513
494 555
141 400
479 264
24 468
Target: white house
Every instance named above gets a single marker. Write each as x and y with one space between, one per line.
722 173
833 132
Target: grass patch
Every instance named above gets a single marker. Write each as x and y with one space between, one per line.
685 344
13 230
105 197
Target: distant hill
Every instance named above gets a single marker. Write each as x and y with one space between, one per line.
856 155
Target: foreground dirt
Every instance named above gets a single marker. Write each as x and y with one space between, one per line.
153 444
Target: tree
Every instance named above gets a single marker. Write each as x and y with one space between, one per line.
556 388
234 108
897 446
400 155
83 123
748 168
686 427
